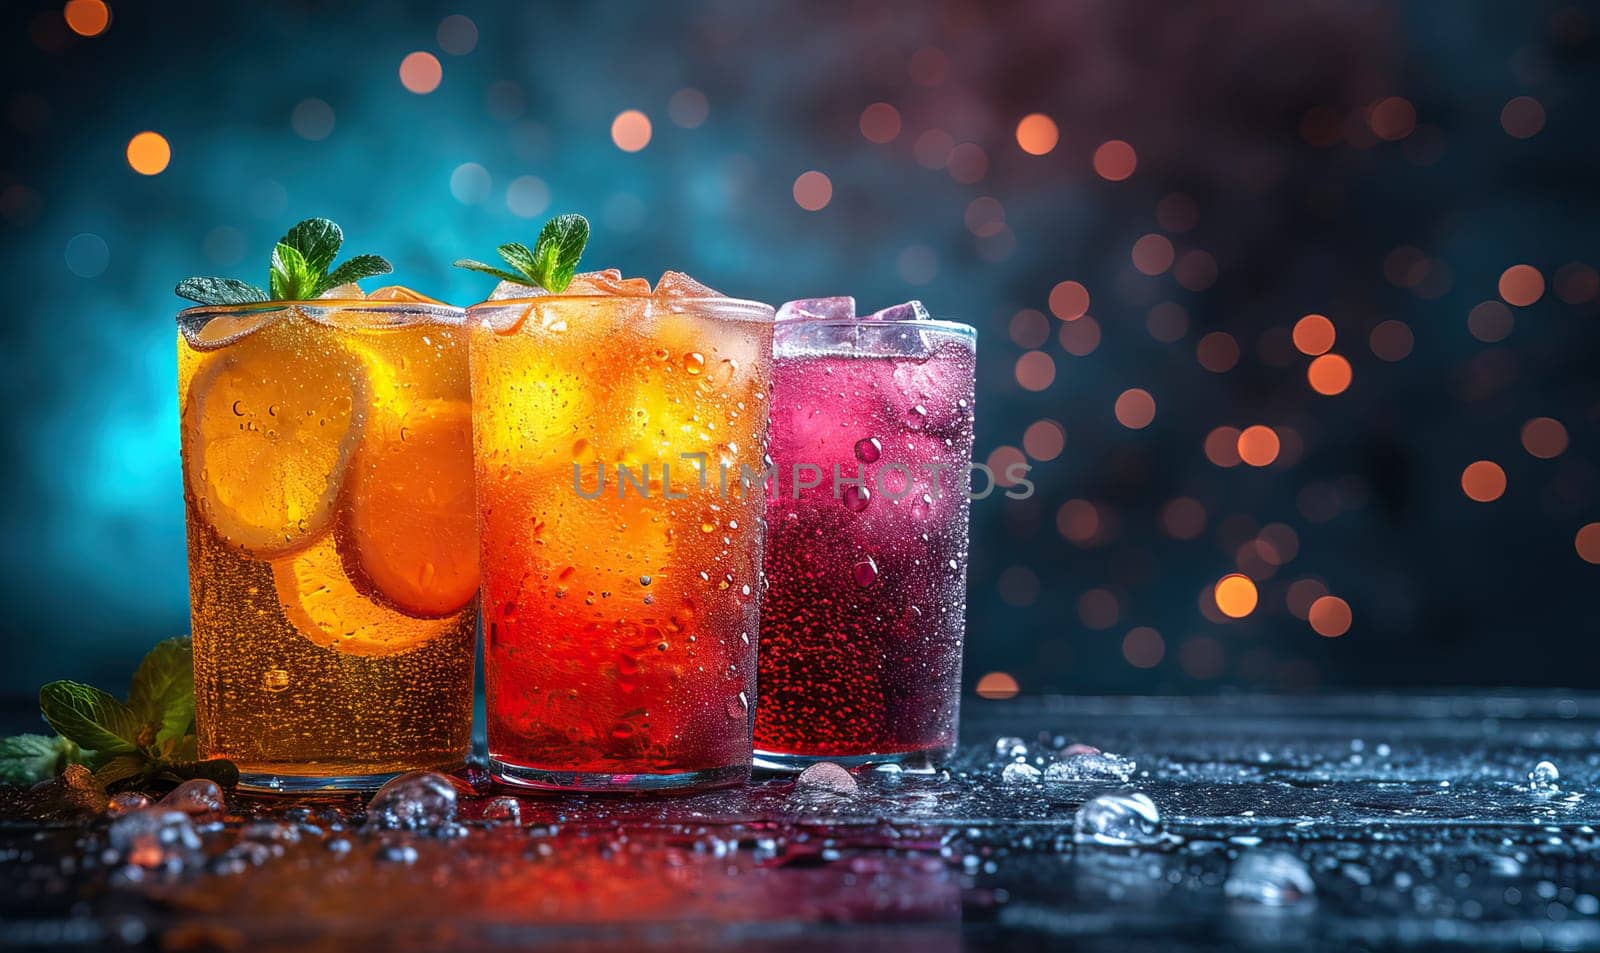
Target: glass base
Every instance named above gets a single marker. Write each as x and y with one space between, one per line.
909 762
520 776
253 782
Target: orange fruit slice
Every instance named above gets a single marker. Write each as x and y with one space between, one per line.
325 607
409 524
270 424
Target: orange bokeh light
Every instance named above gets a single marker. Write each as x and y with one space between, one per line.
631 131
1521 285
1044 440
1393 119
1314 334
813 190
1235 595
1153 254
1587 542
1483 481
1222 447
1544 437
1037 134
1035 370
1135 408
1115 160
149 153
1522 117
87 17
880 123
1330 617
1069 300
421 73
1259 445
1143 647
997 686
1217 352
1391 340
1329 374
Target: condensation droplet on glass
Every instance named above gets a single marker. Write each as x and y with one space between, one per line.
868 449
865 572
274 680
855 498
693 362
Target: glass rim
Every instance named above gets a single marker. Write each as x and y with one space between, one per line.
716 307
957 328
435 309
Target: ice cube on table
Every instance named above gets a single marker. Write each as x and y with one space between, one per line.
905 311
344 292
803 309
417 800
676 284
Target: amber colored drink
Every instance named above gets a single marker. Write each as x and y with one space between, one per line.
620 590
332 549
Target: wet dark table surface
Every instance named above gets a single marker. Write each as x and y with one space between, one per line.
1359 822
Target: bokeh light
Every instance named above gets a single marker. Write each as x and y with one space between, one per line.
1222 446
813 191
1391 341
1544 437
1235 595
1217 352
87 17
1330 616
1314 334
1143 647
1393 118
1029 329
1069 300
1483 481
1491 322
1259 445
1153 254
630 130
1184 518
880 123
1037 134
688 108
997 686
1115 160
1329 374
1522 117
1587 542
1135 408
149 153
1044 440
1035 370
457 35
421 72
1521 285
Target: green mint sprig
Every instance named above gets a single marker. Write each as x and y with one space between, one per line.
552 262
299 270
150 737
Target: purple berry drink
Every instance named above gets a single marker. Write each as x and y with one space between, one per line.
866 560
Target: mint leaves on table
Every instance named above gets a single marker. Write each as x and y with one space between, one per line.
299 270
150 737
552 262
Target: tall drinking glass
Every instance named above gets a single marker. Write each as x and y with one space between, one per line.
621 552
866 562
333 570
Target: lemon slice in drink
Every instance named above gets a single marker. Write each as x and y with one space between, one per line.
409 525
270 423
319 598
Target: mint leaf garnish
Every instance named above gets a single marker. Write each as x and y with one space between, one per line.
219 291
357 268
299 270
500 273
29 759
559 249
552 261
90 717
317 240
150 738
163 690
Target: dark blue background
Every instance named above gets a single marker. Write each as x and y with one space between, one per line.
1212 96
